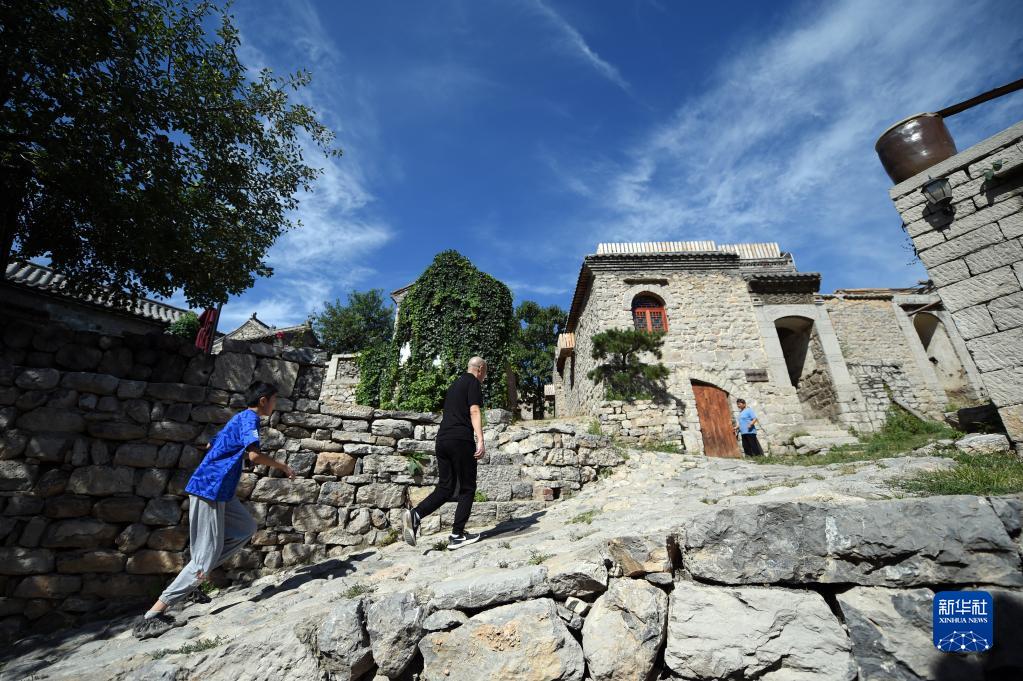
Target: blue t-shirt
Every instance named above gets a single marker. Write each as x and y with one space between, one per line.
216 477
746 417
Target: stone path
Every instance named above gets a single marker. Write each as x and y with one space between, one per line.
280 626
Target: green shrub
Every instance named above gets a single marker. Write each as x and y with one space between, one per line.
594 428
620 370
480 496
185 326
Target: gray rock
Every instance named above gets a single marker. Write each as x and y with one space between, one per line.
902 542
891 636
176 392
162 511
637 556
78 357
132 538
48 447
117 430
381 495
50 418
21 561
173 431
314 517
336 493
211 413
101 481
136 455
119 509
79 533
342 643
395 625
281 373
983 443
485 587
579 575
445 620
37 379
131 389
12 443
509 643
284 491
392 428
624 631
233 371
199 369
310 421
17 476
151 482
571 619
752 632
100 384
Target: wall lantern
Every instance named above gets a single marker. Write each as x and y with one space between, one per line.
939 194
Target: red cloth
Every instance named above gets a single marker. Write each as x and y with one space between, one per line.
207 327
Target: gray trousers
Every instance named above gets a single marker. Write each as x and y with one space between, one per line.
216 531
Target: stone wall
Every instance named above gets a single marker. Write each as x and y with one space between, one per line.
642 421
975 258
341 379
101 434
869 331
878 383
816 389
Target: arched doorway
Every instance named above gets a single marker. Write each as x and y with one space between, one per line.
940 351
716 425
807 366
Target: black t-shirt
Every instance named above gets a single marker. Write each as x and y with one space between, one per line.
463 393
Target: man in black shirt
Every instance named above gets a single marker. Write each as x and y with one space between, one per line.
459 445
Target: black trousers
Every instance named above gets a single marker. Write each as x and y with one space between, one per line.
457 468
751 445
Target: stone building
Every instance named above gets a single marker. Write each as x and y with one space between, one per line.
741 321
255 330
973 250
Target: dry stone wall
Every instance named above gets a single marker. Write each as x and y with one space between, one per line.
642 421
975 257
341 379
101 434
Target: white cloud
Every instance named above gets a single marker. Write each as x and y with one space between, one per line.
573 42
780 147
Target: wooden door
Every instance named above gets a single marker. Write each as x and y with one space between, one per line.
715 421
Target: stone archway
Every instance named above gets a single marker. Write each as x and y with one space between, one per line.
941 353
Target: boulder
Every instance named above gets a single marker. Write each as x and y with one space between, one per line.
313 517
48 586
151 482
395 625
509 643
85 382
983 443
79 533
162 511
136 455
20 561
48 447
637 556
284 491
281 373
78 357
52 418
151 562
392 428
17 476
445 620
753 632
100 560
624 631
381 495
900 542
891 636
341 642
117 430
101 481
335 463
336 493
68 506
132 538
174 431
37 379
233 371
486 587
576 575
119 509
168 538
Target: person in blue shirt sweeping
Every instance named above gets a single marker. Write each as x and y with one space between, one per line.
218 524
747 429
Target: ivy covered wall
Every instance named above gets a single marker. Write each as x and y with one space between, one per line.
452 312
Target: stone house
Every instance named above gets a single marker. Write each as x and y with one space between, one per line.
255 330
741 321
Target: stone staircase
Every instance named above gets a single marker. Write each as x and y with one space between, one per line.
820 435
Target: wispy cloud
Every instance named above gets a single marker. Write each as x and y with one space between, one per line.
573 42
781 146
338 228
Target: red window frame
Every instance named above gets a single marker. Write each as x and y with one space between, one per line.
648 314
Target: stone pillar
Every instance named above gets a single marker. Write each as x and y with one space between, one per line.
975 258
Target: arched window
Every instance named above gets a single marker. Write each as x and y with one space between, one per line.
648 313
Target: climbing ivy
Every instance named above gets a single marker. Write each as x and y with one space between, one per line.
452 312
372 367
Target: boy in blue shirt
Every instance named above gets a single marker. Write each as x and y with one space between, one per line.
218 524
747 428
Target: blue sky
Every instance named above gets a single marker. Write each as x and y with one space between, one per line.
524 132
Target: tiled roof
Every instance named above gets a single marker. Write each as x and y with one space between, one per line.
46 280
744 251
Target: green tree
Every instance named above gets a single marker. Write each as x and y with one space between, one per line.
624 375
137 152
452 312
533 351
364 321
185 326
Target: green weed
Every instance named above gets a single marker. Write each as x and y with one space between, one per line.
585 517
480 496
536 558
978 474
191 647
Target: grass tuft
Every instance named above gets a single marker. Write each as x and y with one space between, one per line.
979 474
585 517
389 538
667 447
191 647
355 591
536 558
480 496
594 428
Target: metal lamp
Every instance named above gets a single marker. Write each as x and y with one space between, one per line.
939 194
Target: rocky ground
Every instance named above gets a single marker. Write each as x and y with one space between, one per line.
675 567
